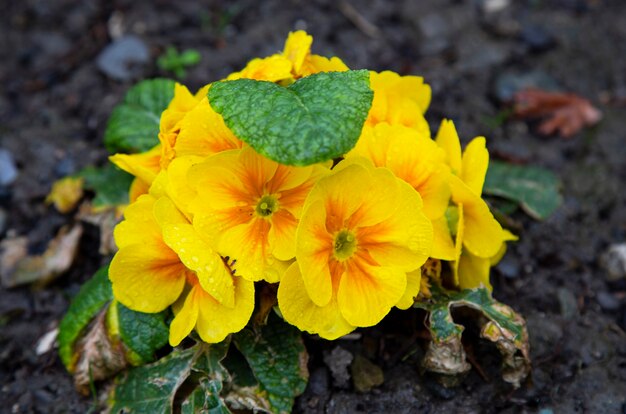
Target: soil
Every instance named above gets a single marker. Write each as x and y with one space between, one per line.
55 102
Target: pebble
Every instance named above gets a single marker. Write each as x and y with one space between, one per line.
607 301
318 382
537 38
614 262
338 361
509 267
8 170
120 59
508 83
494 6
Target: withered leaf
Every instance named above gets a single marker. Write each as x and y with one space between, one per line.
562 113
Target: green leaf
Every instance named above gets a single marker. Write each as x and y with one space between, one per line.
109 183
134 124
205 399
278 360
315 119
535 189
91 298
151 388
143 333
504 327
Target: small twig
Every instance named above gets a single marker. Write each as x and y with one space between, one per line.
359 21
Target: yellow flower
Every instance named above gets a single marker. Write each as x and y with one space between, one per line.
416 159
143 166
399 100
294 62
212 320
249 207
477 232
362 230
157 249
65 193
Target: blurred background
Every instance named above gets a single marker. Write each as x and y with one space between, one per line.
65 64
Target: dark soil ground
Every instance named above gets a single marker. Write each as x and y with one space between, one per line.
55 102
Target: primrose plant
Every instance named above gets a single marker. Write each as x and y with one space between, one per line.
294 195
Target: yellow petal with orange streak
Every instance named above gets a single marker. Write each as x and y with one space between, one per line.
273 69
298 309
443 245
367 293
137 188
405 238
313 250
147 277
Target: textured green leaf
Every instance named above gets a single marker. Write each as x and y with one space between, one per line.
315 119
134 124
535 189
205 399
504 327
109 183
151 388
278 360
91 298
143 333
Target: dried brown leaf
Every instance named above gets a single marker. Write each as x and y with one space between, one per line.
105 220
562 113
19 268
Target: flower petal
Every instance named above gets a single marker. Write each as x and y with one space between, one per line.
475 163
313 251
139 225
448 139
297 48
473 272
185 318
196 254
443 245
147 277
367 293
298 309
215 321
145 165
413 286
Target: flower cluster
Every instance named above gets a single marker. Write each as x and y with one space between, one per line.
345 242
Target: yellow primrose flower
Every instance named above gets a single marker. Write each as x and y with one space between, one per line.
294 62
362 230
416 159
476 230
399 100
143 166
212 320
158 249
249 207
65 193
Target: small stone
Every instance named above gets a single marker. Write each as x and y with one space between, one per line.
494 6
365 374
508 83
338 361
567 301
120 59
8 170
607 301
509 267
537 38
614 262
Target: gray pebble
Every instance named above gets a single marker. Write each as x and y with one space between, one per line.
607 301
119 60
8 170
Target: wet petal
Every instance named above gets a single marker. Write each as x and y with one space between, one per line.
185 318
443 245
475 163
448 139
139 225
298 309
473 272
413 286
